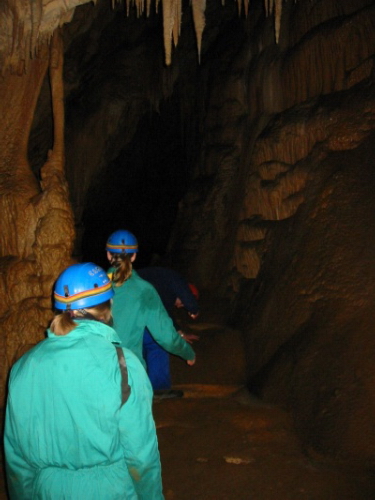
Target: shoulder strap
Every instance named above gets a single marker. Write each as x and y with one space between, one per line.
125 387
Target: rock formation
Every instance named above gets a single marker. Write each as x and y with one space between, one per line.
37 224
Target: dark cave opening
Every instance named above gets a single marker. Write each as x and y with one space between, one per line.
139 167
140 190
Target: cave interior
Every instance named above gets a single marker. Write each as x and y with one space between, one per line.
240 152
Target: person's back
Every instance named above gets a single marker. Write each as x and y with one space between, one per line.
136 305
72 431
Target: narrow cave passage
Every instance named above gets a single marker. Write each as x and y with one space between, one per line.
134 126
140 189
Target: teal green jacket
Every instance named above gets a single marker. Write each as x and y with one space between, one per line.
136 306
67 437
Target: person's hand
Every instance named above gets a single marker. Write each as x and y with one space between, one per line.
190 362
189 337
194 316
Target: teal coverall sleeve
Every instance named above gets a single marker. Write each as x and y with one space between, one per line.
161 327
20 473
138 433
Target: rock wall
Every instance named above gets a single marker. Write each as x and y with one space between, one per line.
324 48
285 227
37 226
307 315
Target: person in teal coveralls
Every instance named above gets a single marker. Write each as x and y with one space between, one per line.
174 292
79 423
136 303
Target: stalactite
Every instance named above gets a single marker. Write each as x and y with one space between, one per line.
274 6
278 9
140 7
27 23
199 7
246 7
177 21
148 8
168 22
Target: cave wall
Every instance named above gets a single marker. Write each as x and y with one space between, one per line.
285 229
37 227
324 47
309 322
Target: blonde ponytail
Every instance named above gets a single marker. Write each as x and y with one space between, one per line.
123 267
62 324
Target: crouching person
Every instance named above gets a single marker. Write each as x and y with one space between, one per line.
78 417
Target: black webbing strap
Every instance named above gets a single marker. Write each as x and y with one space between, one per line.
125 387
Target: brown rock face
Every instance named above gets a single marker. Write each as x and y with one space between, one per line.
287 228
37 225
309 322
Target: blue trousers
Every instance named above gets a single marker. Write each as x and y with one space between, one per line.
157 362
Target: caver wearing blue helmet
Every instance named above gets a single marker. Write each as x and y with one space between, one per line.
81 286
136 303
78 418
122 241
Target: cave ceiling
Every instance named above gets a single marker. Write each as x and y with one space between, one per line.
28 24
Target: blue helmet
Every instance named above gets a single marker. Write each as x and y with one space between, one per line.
82 285
122 241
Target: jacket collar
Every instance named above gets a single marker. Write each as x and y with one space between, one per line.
89 327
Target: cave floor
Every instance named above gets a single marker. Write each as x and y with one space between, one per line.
217 446
220 443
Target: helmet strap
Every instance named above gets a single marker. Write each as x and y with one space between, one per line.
86 314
